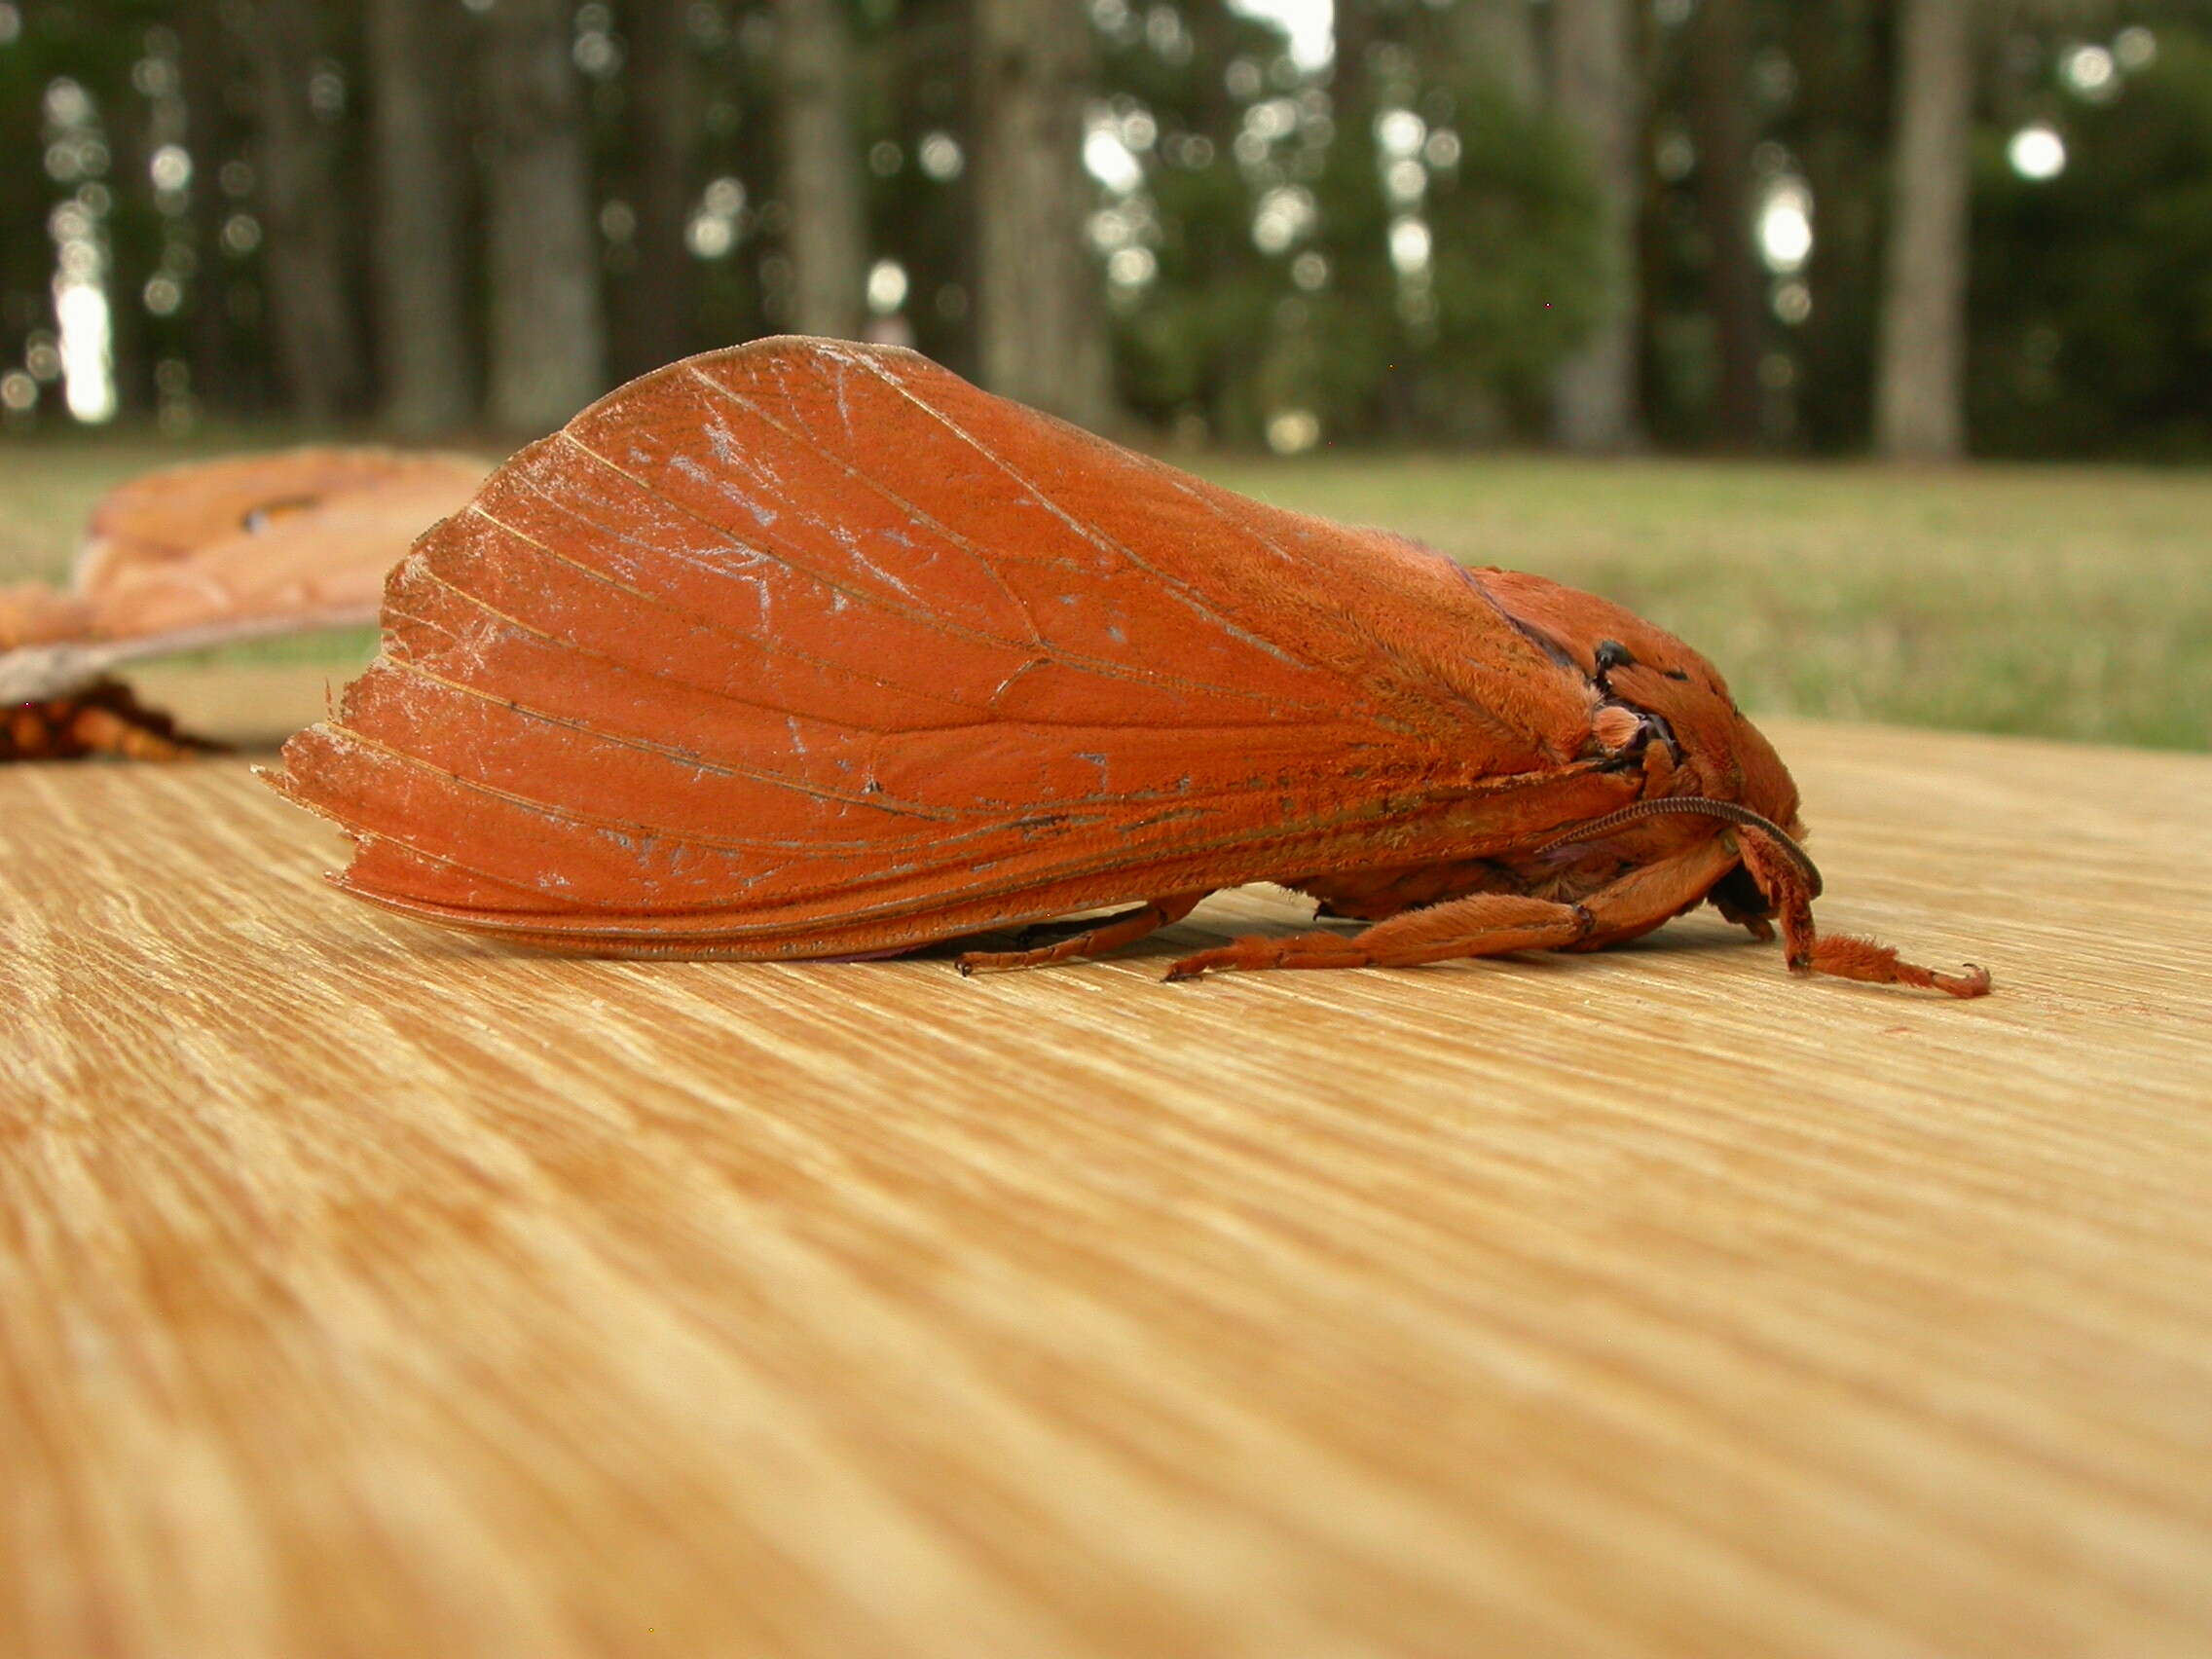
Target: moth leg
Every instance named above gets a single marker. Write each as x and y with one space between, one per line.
1095 939
1489 924
1486 924
1840 954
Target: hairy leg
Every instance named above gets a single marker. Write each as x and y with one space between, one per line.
1839 954
1486 924
1092 938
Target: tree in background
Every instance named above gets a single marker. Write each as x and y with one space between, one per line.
299 94
1205 318
1722 123
657 298
1355 338
1453 232
546 335
1404 245
1515 276
1837 126
1595 89
423 314
1918 409
2090 305
1497 40
204 58
821 173
1040 316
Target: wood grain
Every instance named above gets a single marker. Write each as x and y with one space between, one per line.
366 1289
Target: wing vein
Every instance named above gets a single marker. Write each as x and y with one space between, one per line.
592 573
1151 675
684 757
930 620
646 671
1180 590
981 561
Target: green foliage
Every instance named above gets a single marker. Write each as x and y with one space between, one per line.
1196 344
2090 316
918 96
1200 340
94 47
1519 277
1458 352
2091 305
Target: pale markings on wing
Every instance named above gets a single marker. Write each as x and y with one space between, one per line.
927 619
1073 659
998 693
849 539
660 602
740 570
691 759
689 465
844 412
565 642
740 456
1105 544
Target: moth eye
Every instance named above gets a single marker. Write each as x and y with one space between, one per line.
1612 655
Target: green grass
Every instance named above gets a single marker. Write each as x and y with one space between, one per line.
2062 602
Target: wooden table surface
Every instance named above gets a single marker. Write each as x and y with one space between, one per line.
368 1290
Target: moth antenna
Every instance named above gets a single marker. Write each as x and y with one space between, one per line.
1702 806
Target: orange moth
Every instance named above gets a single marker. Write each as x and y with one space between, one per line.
199 555
807 648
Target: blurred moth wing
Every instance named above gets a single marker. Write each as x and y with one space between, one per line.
214 552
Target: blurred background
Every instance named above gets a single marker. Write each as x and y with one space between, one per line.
1402 261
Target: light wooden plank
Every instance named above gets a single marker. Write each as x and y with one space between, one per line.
370 1290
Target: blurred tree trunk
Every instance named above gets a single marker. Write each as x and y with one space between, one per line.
1720 97
1354 152
135 254
1354 233
1227 390
205 66
1917 390
1497 38
319 353
1596 91
422 310
659 299
548 334
1843 92
821 169
1040 317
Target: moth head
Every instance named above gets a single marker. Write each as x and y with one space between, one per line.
1649 688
